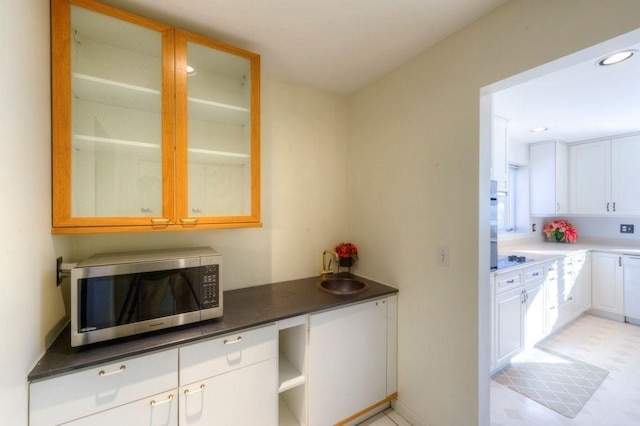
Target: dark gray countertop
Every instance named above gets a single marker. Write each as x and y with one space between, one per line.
243 308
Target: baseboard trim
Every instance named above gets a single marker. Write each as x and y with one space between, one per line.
368 410
407 414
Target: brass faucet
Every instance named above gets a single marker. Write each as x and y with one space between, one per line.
326 269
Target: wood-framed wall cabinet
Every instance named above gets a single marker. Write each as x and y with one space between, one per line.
154 128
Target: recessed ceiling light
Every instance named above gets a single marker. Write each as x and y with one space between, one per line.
191 71
616 58
539 129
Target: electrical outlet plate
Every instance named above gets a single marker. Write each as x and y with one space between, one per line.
626 229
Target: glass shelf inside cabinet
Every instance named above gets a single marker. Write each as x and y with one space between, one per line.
115 93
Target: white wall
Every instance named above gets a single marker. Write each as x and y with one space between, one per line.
30 303
414 167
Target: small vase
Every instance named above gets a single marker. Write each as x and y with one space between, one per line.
559 236
346 262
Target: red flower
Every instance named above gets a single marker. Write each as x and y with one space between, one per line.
346 250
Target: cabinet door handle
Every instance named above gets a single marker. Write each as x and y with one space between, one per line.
159 221
614 206
103 373
169 398
187 392
189 220
620 260
558 208
232 342
607 206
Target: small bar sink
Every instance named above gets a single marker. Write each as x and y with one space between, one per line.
343 286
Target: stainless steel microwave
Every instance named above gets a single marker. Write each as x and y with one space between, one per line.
123 294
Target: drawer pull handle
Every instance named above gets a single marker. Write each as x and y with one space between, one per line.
232 342
511 281
188 392
103 373
169 398
535 274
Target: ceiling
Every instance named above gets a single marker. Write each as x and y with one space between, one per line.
336 45
577 103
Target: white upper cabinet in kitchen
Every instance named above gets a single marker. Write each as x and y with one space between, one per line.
625 175
500 152
590 177
603 176
548 168
153 128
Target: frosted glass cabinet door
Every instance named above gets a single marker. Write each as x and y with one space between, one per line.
110 74
218 131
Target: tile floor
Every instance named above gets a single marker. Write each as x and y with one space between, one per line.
608 344
386 418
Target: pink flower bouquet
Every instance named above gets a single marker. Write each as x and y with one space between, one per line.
561 231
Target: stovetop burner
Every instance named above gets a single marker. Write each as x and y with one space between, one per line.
512 260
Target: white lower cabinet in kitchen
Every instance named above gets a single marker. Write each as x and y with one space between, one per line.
534 314
141 388
508 326
560 300
231 380
607 287
348 360
315 370
529 303
518 312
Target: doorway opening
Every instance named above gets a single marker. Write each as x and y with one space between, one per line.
493 101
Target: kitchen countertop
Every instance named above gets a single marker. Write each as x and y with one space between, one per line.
243 308
545 251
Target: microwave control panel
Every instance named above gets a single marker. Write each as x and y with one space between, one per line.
210 287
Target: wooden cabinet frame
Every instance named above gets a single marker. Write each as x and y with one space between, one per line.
174 132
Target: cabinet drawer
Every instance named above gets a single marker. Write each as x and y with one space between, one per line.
75 395
508 281
533 274
216 356
156 410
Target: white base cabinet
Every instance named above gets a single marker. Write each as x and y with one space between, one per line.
231 380
518 313
157 410
345 346
115 387
607 279
312 370
242 397
508 325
